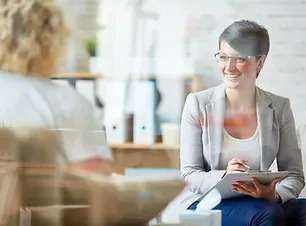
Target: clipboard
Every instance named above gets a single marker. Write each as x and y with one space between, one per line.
224 186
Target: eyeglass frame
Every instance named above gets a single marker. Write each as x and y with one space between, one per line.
245 59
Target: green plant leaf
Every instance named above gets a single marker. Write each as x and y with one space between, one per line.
91 46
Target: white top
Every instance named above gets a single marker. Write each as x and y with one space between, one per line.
40 102
246 149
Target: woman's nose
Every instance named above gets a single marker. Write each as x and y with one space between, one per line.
230 64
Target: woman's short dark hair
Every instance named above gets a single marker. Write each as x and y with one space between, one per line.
246 37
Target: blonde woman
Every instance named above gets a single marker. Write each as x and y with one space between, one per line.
32 37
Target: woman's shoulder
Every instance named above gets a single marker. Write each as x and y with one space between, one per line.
60 98
62 93
279 103
274 98
210 94
35 85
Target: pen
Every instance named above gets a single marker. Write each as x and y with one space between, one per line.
246 166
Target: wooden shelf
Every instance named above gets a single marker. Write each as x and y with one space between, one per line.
77 76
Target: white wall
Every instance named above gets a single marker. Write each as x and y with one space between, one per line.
284 72
190 28
185 39
81 17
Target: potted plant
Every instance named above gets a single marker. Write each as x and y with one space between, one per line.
91 48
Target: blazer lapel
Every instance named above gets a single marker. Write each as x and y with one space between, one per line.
265 119
215 123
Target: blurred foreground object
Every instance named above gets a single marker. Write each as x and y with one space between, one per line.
49 194
43 191
158 155
125 200
36 145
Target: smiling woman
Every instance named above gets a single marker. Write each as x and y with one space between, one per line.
233 66
242 126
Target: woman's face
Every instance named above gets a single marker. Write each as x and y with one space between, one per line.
237 72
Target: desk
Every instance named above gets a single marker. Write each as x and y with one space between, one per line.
131 155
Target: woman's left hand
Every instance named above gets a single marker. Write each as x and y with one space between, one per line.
256 189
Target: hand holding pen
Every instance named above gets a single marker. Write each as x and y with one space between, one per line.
236 164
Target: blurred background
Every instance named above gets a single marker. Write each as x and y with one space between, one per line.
172 43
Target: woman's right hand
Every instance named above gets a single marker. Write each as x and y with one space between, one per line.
237 165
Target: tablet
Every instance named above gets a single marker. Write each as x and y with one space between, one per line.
224 186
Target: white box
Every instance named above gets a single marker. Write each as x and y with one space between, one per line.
144 112
115 115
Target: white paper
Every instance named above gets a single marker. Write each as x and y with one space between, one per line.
209 201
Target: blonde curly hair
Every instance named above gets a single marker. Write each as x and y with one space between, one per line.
32 35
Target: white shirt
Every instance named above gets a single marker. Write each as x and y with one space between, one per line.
245 149
26 101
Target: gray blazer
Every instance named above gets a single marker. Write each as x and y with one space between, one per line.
202 134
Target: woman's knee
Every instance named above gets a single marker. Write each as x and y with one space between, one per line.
271 214
295 211
251 211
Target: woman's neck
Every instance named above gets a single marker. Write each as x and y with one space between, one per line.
241 100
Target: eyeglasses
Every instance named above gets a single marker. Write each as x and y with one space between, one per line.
223 58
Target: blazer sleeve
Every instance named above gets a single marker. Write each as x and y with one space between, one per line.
289 157
194 166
